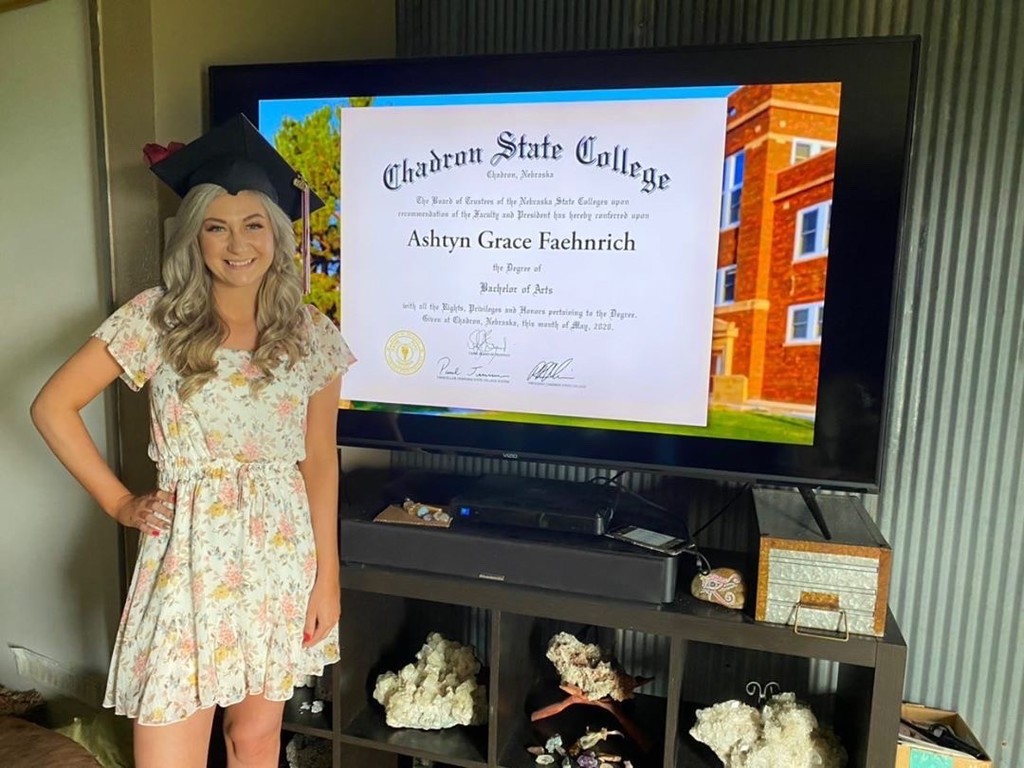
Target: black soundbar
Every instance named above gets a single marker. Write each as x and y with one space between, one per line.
589 565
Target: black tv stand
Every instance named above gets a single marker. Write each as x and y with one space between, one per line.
510 624
807 494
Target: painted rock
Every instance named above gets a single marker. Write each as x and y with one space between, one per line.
723 586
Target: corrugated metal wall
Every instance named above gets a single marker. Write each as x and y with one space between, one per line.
954 480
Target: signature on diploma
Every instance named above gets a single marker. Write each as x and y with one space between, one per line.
446 369
547 370
482 343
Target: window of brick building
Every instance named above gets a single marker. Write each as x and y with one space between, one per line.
725 285
805 149
805 323
732 187
812 231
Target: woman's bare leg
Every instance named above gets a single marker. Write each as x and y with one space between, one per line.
179 745
252 732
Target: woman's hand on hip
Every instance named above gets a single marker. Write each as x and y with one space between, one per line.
323 612
151 513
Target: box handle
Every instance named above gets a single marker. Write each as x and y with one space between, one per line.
840 635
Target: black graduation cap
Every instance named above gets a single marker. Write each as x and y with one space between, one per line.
235 156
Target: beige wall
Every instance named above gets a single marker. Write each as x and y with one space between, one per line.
59 591
190 35
58 554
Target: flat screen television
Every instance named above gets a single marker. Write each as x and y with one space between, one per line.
680 259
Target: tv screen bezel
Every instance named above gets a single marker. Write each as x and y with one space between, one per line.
878 84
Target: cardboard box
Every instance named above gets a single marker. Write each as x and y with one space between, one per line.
918 756
838 585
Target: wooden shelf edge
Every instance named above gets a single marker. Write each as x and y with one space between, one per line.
687 617
459 746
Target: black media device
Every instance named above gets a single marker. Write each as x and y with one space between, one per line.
648 539
556 505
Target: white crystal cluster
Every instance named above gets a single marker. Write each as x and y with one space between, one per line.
783 733
585 666
438 691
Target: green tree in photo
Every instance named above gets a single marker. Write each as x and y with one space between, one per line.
324 295
311 146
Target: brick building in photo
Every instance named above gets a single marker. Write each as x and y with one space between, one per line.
773 247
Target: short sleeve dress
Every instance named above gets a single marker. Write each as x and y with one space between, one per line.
217 604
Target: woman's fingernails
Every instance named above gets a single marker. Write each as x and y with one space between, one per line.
155 533
305 637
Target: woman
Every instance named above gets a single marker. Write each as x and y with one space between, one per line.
236 594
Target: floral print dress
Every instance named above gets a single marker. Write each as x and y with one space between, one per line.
217 604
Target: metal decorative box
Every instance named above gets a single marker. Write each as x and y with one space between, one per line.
838 585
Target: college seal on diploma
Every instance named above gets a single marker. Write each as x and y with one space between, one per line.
404 352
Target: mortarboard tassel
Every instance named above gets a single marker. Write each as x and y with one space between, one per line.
307 262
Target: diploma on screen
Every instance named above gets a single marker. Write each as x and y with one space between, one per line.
526 247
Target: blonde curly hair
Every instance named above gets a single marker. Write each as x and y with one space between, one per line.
190 329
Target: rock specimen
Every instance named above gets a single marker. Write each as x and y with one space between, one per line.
783 733
308 752
723 586
584 666
438 691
